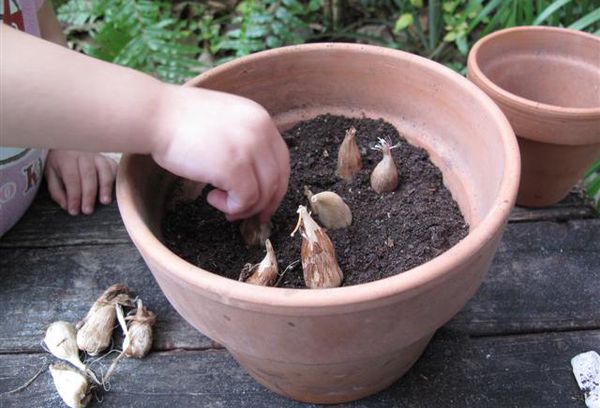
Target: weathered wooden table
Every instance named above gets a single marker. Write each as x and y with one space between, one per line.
510 347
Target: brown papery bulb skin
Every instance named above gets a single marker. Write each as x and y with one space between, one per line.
141 340
349 161
384 177
253 232
96 333
139 332
266 272
95 330
317 253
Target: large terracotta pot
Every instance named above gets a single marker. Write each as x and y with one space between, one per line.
335 345
547 82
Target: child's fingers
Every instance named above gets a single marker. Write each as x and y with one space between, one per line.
222 201
267 174
282 156
237 198
56 188
241 216
278 176
266 214
107 170
217 198
89 182
72 182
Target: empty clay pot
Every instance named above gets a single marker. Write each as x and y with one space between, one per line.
547 82
336 345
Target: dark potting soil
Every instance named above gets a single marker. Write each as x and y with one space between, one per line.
390 233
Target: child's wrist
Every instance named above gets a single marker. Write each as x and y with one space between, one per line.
161 121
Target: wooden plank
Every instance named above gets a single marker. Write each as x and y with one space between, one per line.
40 286
512 371
545 276
47 225
521 214
535 284
576 205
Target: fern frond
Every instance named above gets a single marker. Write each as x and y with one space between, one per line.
140 34
77 12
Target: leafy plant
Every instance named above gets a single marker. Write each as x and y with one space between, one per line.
446 29
259 25
140 34
591 180
480 18
176 40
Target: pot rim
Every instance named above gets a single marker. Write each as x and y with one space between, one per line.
519 102
233 292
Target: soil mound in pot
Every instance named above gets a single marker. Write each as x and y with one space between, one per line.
390 233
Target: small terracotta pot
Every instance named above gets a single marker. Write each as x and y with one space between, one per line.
547 82
336 345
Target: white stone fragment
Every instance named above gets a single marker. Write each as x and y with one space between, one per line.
586 368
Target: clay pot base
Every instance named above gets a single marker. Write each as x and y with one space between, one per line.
374 375
390 233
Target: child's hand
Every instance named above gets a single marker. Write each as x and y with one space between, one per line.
206 136
227 141
76 178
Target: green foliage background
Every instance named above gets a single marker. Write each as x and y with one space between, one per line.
174 41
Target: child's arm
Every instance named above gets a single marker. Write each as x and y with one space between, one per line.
62 99
74 178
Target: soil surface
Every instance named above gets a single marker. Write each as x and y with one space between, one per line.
390 233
